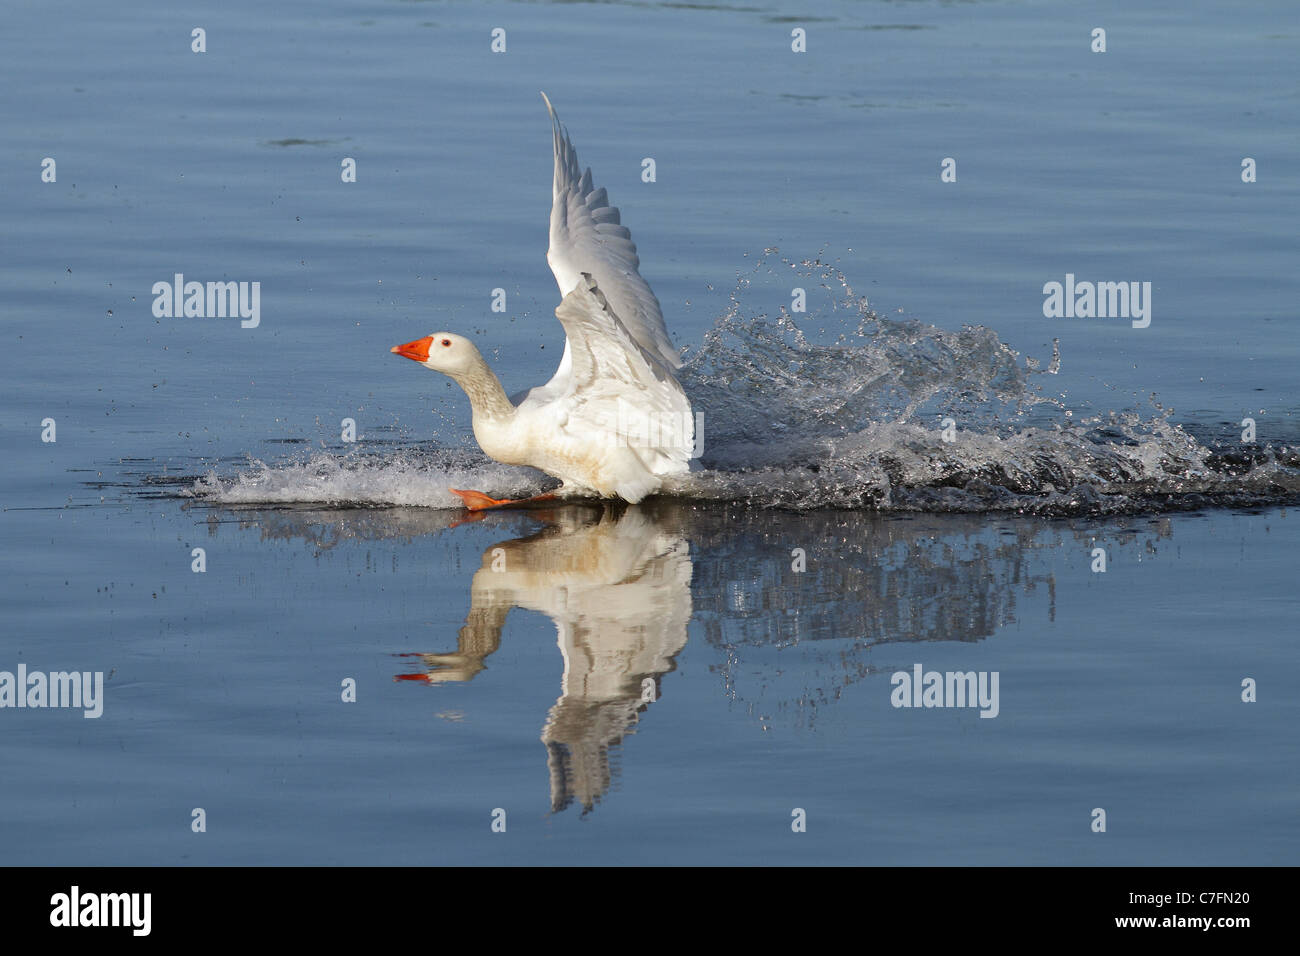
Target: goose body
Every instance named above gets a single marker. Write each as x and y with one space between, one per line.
613 421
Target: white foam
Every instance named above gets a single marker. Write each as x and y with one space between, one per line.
403 478
858 423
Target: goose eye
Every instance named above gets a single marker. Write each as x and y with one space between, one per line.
446 343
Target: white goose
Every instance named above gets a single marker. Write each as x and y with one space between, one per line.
613 421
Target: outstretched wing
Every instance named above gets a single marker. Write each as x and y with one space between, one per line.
619 390
586 236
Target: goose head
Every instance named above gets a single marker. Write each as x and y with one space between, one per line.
457 357
444 352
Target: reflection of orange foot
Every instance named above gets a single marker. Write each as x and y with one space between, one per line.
470 518
477 501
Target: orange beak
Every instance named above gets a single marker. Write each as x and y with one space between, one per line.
417 351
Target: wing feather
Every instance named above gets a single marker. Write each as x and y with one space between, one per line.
619 389
587 236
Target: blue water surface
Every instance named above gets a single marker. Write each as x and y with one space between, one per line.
769 688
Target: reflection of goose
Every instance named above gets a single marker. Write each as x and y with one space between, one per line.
869 585
618 590
613 420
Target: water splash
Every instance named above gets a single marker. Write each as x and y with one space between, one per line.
402 476
840 407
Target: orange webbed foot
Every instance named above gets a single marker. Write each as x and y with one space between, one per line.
477 501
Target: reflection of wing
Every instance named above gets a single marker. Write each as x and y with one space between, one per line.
619 592
619 390
586 237
618 634
620 601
